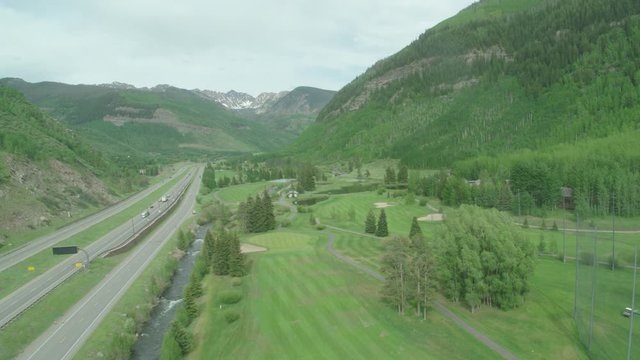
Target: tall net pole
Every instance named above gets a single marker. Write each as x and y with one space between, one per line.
575 299
593 289
613 234
633 303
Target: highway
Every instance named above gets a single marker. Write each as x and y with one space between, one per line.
21 299
33 247
63 339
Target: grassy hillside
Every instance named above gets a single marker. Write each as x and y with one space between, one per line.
160 121
500 76
47 171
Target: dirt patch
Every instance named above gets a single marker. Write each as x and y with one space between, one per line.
431 217
382 205
249 248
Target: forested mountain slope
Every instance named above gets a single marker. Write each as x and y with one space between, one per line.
500 76
164 120
47 170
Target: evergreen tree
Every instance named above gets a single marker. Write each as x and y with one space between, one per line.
189 303
415 231
403 175
370 223
389 176
236 259
268 216
182 337
381 228
170 348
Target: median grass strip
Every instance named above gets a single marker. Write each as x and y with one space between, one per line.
300 302
18 275
19 333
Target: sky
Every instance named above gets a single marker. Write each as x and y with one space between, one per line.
249 46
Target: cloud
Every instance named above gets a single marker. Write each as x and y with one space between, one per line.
250 46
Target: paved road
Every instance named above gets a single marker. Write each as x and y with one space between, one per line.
64 339
21 299
33 247
441 308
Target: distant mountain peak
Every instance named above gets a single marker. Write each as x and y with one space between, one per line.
236 100
119 85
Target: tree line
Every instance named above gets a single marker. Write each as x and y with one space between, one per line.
477 257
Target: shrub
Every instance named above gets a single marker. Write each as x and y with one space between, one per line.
231 315
236 281
320 227
230 297
423 201
285 223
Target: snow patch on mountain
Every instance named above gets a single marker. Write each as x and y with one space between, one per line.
242 101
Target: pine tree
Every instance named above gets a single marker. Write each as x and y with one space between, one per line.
415 231
381 228
389 176
190 305
370 223
403 175
236 259
182 337
170 347
268 216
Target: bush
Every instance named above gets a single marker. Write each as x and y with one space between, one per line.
236 281
320 227
230 297
423 201
231 315
285 223
381 190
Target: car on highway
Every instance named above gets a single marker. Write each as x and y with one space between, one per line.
145 214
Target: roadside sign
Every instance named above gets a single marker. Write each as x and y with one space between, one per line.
78 264
65 250
31 268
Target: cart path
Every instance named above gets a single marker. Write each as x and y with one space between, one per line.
441 308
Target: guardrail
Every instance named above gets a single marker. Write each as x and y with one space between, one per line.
135 238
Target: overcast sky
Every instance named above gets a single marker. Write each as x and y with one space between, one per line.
250 46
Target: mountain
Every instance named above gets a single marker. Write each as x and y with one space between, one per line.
500 76
241 101
47 171
160 121
289 112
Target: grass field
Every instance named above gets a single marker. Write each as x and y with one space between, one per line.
301 303
238 193
17 275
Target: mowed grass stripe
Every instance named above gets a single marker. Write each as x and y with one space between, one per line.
293 311
315 315
307 322
344 334
285 347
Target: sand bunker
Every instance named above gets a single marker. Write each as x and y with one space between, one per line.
249 248
431 217
381 205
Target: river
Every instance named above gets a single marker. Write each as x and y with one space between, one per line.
150 340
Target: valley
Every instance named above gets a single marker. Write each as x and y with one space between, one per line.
475 194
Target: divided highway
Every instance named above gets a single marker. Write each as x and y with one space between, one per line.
33 247
62 340
21 299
